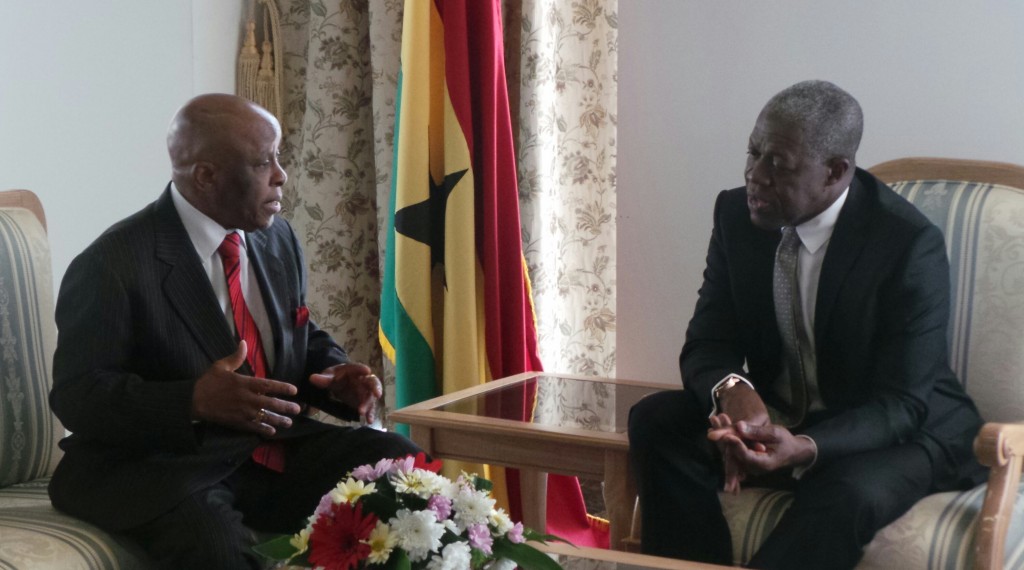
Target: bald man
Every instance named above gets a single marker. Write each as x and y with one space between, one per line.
186 402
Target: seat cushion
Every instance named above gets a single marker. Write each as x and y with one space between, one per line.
937 533
41 537
33 535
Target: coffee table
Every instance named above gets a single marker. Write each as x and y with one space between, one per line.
534 422
573 558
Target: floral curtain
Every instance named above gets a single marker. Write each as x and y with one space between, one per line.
341 62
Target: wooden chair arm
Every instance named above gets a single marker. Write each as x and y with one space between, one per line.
1001 448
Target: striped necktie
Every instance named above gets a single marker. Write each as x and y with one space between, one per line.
270 454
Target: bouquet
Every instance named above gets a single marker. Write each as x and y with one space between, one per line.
401 514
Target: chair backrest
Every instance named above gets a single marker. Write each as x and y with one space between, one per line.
29 432
979 206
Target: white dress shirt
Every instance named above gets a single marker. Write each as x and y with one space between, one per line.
206 236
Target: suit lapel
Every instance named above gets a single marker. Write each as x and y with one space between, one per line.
270 274
186 284
845 246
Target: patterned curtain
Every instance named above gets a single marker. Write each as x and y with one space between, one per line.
340 75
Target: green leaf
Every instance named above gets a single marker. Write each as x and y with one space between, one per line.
384 507
526 556
399 560
481 484
279 548
535 536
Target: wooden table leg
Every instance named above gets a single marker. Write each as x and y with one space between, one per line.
619 496
534 487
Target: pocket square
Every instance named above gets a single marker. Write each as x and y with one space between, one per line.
301 316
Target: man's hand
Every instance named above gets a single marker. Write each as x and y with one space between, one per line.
763 449
739 403
354 385
246 403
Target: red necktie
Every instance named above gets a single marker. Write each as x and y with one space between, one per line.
270 454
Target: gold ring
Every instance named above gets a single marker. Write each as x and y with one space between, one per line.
260 416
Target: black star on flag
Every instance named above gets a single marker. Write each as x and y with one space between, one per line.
424 221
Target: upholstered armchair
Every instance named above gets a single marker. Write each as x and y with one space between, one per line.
32 533
979 206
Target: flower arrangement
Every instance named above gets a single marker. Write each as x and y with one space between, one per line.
401 514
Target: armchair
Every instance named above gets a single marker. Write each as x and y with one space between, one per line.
32 533
979 206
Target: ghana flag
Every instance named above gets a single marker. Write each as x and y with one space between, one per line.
456 309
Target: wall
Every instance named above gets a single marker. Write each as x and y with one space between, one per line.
87 92
936 78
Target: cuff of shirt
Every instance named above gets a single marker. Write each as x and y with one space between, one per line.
800 471
714 401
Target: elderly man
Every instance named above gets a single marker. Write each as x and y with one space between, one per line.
186 358
815 359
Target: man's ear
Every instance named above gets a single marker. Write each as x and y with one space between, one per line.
839 169
204 175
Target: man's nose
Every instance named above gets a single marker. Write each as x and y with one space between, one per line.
280 176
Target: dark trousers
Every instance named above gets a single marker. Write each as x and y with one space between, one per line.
837 508
214 528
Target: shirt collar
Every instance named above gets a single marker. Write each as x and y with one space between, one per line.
816 231
205 233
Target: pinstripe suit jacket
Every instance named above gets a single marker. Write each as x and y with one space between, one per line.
138 323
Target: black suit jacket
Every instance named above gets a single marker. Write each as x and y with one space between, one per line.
880 328
138 323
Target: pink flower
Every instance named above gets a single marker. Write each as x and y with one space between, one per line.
324 507
516 534
366 473
441 505
480 537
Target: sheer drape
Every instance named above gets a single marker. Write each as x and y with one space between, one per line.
340 76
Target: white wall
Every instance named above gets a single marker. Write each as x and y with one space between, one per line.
935 78
87 90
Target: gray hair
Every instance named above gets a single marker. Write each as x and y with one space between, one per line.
830 118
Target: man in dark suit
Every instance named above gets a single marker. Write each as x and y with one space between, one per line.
183 369
816 357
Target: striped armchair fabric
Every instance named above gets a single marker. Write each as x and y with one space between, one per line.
32 533
983 224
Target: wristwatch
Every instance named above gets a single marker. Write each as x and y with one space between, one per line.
729 382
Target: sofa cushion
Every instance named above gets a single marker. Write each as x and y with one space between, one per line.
41 537
29 432
937 533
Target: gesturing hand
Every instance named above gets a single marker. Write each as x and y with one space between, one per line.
245 403
354 385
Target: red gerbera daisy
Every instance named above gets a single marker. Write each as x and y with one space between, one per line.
420 462
335 541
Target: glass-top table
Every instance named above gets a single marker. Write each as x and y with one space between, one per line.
540 423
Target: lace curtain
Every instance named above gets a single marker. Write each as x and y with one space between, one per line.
340 74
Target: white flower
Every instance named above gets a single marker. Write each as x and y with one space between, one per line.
382 541
418 533
455 556
501 564
419 482
501 522
472 507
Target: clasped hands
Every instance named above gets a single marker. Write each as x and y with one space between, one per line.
749 443
223 396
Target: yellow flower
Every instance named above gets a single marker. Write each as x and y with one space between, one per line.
350 490
381 542
301 541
